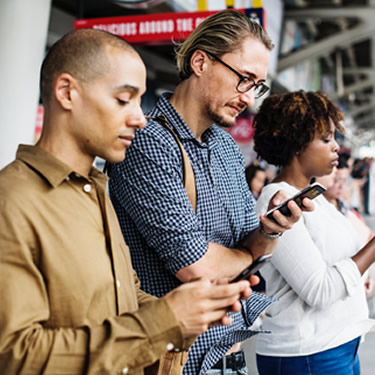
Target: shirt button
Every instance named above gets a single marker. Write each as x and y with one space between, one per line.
118 283
170 346
125 370
77 175
67 178
87 188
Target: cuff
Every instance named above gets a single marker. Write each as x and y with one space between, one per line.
349 272
162 326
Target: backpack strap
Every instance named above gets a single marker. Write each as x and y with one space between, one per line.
188 173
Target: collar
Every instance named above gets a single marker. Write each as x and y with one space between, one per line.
51 168
179 125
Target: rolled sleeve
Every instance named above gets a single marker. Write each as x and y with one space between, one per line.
350 274
157 202
254 306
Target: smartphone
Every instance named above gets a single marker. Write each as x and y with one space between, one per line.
311 192
254 267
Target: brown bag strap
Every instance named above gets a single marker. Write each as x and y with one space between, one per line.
188 173
170 363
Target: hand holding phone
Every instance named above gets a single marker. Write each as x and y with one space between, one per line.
254 267
311 192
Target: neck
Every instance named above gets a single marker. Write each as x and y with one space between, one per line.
189 106
62 147
290 176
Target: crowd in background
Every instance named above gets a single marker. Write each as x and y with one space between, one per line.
356 186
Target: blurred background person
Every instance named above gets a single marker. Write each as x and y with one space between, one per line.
336 193
256 178
360 172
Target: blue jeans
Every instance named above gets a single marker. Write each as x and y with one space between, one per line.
214 371
342 360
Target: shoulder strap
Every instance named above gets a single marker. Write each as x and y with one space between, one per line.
188 173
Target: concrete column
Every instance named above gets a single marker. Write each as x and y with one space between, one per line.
23 36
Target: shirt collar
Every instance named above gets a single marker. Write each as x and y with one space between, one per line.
180 126
51 168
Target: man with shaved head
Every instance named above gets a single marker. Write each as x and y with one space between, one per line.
70 300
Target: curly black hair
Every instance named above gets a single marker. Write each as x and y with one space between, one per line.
286 124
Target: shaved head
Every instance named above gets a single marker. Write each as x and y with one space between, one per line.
81 53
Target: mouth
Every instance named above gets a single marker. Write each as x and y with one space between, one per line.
236 110
335 162
126 140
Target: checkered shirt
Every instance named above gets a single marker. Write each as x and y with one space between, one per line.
162 230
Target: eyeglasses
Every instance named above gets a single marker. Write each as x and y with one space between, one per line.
245 83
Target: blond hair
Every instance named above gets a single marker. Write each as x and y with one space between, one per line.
217 35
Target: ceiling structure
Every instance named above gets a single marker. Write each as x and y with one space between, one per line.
338 33
104 8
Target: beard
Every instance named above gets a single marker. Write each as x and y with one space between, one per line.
217 119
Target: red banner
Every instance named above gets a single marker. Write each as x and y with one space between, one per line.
38 122
157 28
243 131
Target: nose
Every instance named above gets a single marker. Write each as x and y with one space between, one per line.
137 120
248 98
336 146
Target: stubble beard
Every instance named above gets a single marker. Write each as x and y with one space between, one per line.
217 119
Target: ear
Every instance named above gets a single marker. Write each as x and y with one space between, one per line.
198 62
64 86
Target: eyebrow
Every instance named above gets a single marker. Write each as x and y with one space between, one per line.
328 133
131 88
253 76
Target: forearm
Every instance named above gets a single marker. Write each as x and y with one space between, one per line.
257 244
218 262
133 340
222 262
365 257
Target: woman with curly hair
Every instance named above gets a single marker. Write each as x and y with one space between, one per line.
316 270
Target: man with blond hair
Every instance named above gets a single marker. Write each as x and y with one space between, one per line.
222 67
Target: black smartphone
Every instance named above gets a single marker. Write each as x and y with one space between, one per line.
311 192
254 267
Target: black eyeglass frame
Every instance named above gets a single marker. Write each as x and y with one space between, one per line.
263 87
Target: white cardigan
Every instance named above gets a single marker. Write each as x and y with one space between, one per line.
322 301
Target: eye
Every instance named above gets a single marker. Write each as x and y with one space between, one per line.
122 102
328 138
247 81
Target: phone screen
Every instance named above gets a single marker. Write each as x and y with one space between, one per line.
310 192
254 267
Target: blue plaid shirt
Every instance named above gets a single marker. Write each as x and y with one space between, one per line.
162 230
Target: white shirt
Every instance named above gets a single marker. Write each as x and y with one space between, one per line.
322 301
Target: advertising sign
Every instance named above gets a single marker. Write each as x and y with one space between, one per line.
161 28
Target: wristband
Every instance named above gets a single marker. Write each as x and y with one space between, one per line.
270 236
